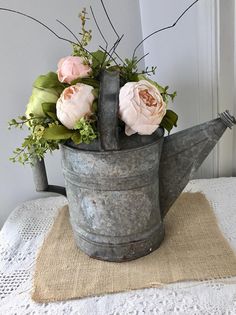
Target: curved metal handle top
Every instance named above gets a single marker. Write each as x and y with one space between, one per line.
108 111
228 119
41 181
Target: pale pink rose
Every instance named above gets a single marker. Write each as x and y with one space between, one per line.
71 68
75 103
141 107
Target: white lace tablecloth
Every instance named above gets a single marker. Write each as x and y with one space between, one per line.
25 229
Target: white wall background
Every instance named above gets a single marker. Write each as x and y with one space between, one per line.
193 58
226 92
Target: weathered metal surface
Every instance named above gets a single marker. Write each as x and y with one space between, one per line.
113 200
39 175
108 111
116 210
183 153
41 181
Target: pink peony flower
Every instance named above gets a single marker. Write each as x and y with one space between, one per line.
141 107
71 68
75 103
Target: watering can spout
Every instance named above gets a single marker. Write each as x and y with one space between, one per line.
183 153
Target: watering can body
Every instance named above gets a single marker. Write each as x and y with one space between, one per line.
120 188
114 201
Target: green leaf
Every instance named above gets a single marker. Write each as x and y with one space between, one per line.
159 87
114 68
95 92
173 95
86 129
95 106
52 115
76 138
48 107
57 132
48 81
98 58
169 120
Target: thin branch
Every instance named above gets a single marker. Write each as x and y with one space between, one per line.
141 58
105 10
34 19
66 27
119 57
79 42
110 52
95 20
48 28
109 55
164 28
116 44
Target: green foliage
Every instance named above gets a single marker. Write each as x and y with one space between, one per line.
37 98
76 138
98 58
169 121
86 36
57 132
128 72
86 129
46 131
49 110
100 62
95 106
49 81
159 87
148 71
34 145
168 96
49 107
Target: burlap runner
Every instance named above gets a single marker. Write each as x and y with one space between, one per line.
193 249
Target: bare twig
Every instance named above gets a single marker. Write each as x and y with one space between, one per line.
164 28
66 27
95 20
48 28
109 55
141 58
119 57
110 52
107 15
79 42
114 47
36 20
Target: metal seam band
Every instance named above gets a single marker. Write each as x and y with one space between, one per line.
227 119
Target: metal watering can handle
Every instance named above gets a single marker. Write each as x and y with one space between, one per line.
108 106
41 181
107 126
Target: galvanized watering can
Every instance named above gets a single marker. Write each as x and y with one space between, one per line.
120 188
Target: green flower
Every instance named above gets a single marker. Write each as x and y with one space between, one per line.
38 97
38 132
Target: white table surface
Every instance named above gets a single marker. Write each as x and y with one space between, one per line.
26 227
